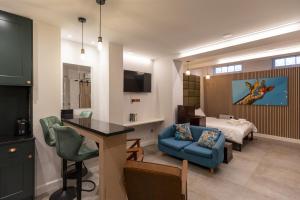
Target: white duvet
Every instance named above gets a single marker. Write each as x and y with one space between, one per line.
234 130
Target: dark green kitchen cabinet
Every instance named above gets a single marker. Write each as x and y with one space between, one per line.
15 50
17 170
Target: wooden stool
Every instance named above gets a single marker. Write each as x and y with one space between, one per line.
227 152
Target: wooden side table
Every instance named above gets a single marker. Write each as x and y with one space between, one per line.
198 121
227 152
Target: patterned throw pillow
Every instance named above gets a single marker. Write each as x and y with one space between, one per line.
183 132
208 139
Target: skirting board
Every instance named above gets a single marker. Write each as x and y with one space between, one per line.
48 187
277 138
148 143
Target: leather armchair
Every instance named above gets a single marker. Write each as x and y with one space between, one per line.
149 181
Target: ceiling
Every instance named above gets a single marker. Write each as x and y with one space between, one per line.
156 28
213 57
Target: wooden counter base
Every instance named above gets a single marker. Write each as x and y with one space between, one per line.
112 158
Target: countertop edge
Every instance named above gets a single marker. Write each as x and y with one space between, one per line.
129 129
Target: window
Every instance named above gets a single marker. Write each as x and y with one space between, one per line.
218 70
290 61
224 69
230 69
238 68
298 60
286 62
280 62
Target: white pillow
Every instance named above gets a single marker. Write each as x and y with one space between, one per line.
199 112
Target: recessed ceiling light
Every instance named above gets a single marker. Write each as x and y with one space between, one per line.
263 34
69 36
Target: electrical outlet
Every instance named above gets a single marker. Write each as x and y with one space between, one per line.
135 100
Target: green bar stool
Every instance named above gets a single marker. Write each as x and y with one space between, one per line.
86 114
49 137
47 124
70 147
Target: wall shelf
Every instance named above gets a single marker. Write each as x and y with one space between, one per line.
143 122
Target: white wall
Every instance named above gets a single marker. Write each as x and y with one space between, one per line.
168 75
115 83
49 54
70 53
46 98
147 108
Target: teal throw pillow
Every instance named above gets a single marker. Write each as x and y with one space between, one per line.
208 139
183 132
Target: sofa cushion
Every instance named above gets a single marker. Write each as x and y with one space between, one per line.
183 132
208 138
197 150
197 131
174 144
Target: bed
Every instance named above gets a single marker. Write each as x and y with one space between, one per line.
234 130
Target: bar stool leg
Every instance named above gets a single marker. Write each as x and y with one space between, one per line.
79 179
65 193
65 174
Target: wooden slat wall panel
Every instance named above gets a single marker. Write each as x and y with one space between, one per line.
283 121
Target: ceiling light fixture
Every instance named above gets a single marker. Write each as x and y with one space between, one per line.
100 45
82 20
207 76
262 54
188 72
267 33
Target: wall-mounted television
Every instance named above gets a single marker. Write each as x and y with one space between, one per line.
137 81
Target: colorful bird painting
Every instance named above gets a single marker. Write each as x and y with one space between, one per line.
256 91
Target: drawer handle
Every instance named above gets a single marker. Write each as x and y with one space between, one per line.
28 82
12 150
29 156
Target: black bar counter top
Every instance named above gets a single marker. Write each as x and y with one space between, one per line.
99 127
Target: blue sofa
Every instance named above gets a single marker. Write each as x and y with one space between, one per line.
190 150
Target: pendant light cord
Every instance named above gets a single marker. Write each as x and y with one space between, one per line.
100 20
82 35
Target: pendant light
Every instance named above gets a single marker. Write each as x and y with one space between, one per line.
188 72
82 20
207 76
100 45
